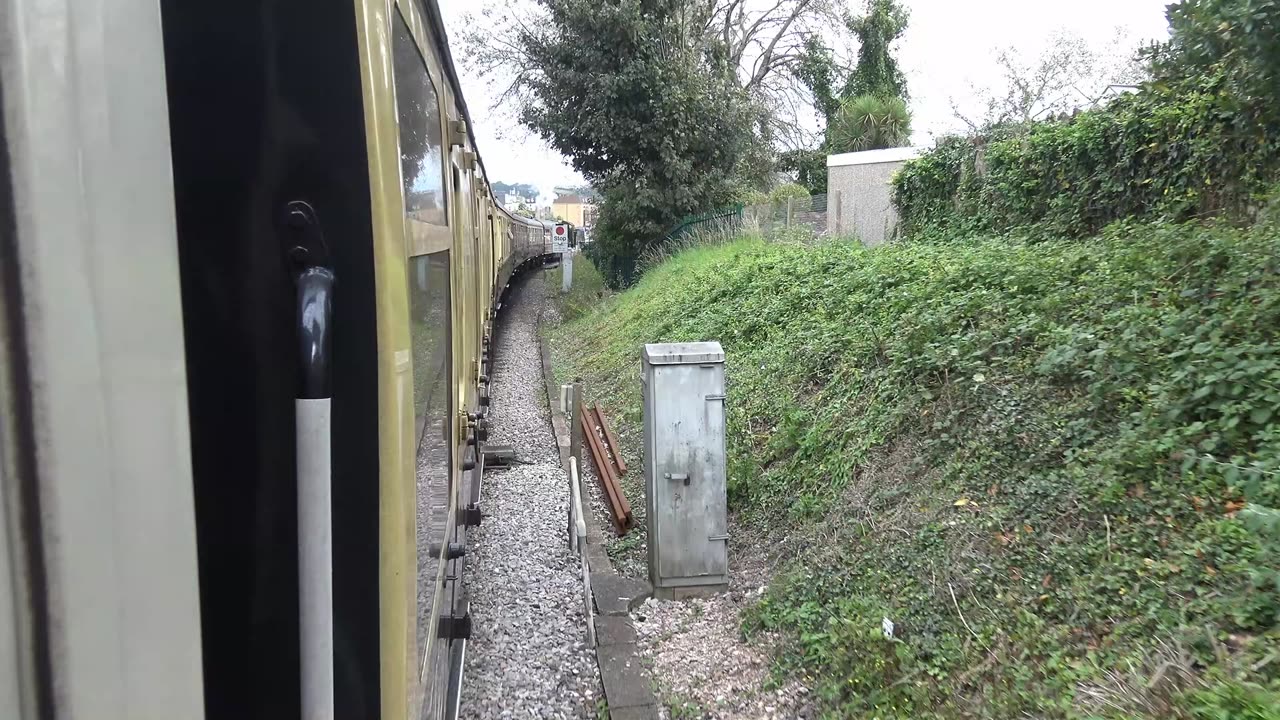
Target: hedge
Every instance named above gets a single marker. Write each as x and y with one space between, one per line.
1167 152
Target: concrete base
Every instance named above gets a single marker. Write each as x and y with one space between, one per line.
617 595
685 592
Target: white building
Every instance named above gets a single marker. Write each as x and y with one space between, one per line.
512 201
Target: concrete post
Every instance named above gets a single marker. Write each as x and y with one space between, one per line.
566 271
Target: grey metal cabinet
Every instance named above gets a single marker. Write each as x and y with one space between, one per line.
684 466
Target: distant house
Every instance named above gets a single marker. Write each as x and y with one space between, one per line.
513 201
1114 91
575 209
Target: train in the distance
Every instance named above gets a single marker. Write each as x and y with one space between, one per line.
250 264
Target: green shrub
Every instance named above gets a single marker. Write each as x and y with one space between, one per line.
784 191
751 196
1237 40
1176 154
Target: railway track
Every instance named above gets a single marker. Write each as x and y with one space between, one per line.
527 656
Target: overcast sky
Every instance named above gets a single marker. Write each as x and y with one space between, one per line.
948 46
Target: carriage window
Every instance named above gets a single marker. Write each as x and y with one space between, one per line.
429 335
421 146
422 171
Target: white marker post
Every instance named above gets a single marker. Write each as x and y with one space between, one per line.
566 278
560 244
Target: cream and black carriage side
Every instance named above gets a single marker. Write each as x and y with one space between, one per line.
250 264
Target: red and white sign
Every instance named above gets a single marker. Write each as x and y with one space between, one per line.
560 238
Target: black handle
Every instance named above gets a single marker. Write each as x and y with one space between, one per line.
309 256
315 322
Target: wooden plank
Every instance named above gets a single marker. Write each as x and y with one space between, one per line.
612 440
624 507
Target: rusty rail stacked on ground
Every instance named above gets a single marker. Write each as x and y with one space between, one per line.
610 466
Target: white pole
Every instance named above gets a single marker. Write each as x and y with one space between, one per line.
315 558
578 527
566 264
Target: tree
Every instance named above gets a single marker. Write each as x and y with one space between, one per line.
865 106
1234 41
809 167
755 45
1069 75
877 73
633 94
869 122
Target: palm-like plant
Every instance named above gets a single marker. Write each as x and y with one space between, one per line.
867 122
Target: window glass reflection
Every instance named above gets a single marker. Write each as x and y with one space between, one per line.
421 146
429 332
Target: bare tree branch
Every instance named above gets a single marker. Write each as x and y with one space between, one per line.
761 42
1070 75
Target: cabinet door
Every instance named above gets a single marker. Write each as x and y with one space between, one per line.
689 471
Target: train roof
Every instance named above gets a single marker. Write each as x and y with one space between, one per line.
530 222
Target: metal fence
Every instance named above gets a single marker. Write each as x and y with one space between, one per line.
791 219
808 213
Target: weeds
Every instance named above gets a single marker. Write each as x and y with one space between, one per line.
585 293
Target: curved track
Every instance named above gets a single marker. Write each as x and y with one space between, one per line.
527 656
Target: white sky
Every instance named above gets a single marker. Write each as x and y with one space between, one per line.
948 45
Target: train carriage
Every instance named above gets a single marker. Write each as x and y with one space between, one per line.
282 206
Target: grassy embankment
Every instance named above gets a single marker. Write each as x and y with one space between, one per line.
1047 463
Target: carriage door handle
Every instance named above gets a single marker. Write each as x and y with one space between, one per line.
312 273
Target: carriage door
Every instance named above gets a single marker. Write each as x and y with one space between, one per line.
428 244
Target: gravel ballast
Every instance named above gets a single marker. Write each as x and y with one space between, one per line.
699 661
528 656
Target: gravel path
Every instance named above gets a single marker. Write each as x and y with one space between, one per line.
527 657
701 665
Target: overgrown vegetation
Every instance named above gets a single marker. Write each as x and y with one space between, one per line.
1198 140
861 108
1042 437
1040 461
1178 153
585 292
